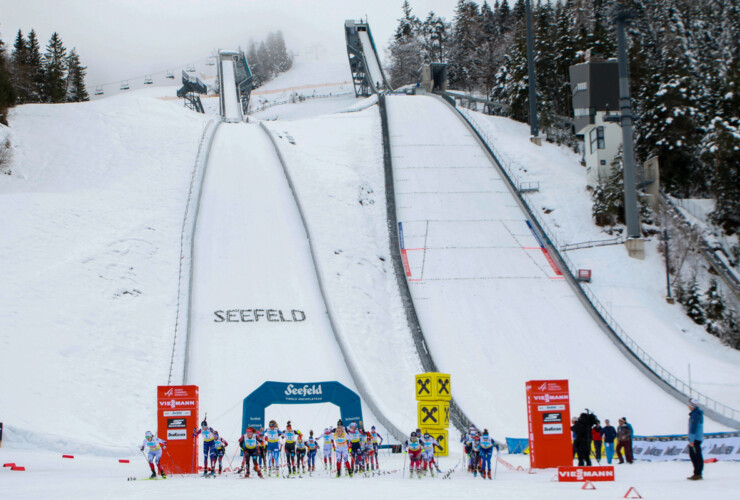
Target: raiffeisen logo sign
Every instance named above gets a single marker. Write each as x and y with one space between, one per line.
313 390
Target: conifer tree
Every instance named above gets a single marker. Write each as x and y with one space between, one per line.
20 68
714 308
489 55
434 38
55 67
36 72
693 305
406 49
76 91
267 70
7 93
463 70
255 65
281 61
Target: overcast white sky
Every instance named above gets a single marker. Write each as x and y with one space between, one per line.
125 39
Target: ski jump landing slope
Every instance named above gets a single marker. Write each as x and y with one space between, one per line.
493 306
257 313
231 109
371 59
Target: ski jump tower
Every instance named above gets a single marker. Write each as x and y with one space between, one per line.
235 85
367 73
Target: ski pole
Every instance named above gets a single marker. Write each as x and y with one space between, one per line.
495 466
403 473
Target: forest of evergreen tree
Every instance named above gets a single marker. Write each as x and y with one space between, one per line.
29 76
684 72
268 58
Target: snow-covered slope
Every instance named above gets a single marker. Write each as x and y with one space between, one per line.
88 267
493 308
632 290
257 310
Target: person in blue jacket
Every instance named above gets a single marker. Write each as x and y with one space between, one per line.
696 436
608 434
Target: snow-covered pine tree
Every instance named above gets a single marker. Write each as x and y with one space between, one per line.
267 70
7 93
20 75
406 49
512 80
76 91
693 305
730 329
679 292
608 196
55 68
280 59
668 127
488 53
714 307
549 82
255 65
434 34
36 70
463 70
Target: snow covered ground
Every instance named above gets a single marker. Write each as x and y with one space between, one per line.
486 294
48 475
89 262
632 290
89 259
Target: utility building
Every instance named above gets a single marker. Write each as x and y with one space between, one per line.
595 88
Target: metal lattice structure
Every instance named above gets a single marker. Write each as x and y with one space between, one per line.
191 87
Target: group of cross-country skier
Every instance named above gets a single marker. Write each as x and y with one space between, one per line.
351 446
479 450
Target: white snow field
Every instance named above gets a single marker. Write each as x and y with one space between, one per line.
48 475
88 268
89 263
494 311
632 290
257 312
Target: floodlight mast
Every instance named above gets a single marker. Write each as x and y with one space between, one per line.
622 17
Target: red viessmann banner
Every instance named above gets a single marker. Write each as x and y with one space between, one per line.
177 416
574 474
548 412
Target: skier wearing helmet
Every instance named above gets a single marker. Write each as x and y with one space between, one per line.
209 449
328 441
272 436
154 445
249 444
414 449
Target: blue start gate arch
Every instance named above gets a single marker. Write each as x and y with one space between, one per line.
292 393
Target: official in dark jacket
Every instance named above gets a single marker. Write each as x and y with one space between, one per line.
696 436
582 431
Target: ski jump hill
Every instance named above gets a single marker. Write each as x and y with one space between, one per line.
360 247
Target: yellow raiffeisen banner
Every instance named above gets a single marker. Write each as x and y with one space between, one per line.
433 386
433 414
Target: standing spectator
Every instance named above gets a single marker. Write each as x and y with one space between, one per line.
632 434
696 436
609 433
573 435
624 441
596 438
582 431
